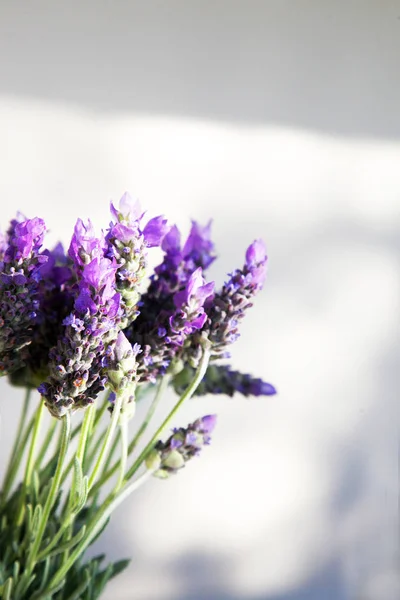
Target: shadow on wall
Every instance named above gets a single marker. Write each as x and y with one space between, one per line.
321 65
196 570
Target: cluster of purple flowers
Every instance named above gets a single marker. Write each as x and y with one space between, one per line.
61 315
168 457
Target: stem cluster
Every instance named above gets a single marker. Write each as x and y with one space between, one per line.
49 519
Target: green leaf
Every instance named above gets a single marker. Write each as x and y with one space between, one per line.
66 545
7 589
78 476
37 515
119 566
76 594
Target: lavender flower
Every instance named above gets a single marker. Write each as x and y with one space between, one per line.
228 306
77 362
19 281
178 265
127 246
122 373
85 245
169 457
163 320
162 343
55 297
221 379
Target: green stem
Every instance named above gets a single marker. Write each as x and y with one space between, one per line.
162 386
65 436
85 427
17 449
93 528
107 474
90 455
80 454
107 439
124 453
31 454
185 396
45 444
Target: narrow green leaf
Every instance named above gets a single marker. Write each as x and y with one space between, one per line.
7 589
119 566
16 570
35 486
37 515
78 476
82 496
48 593
76 594
65 546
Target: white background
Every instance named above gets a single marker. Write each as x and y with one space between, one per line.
278 120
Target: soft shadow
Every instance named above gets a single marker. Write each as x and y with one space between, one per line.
318 65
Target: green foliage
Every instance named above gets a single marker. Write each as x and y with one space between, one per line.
86 580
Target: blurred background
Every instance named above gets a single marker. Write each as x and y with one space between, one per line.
279 120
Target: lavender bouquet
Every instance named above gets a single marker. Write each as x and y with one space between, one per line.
87 331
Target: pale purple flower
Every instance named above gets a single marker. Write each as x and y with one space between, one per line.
170 456
19 285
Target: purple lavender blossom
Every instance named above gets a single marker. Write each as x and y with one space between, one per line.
122 373
179 264
221 379
165 338
55 298
77 361
229 305
162 320
20 273
169 457
85 245
127 245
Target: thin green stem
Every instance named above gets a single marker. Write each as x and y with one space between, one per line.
17 449
107 439
86 425
30 462
124 453
91 454
79 455
95 526
107 474
185 396
31 454
46 443
162 386
65 437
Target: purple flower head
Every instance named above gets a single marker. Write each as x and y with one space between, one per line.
173 306
171 243
20 307
129 210
198 246
100 275
127 245
195 292
24 239
172 455
122 372
190 315
206 424
256 259
221 379
229 305
154 231
85 246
